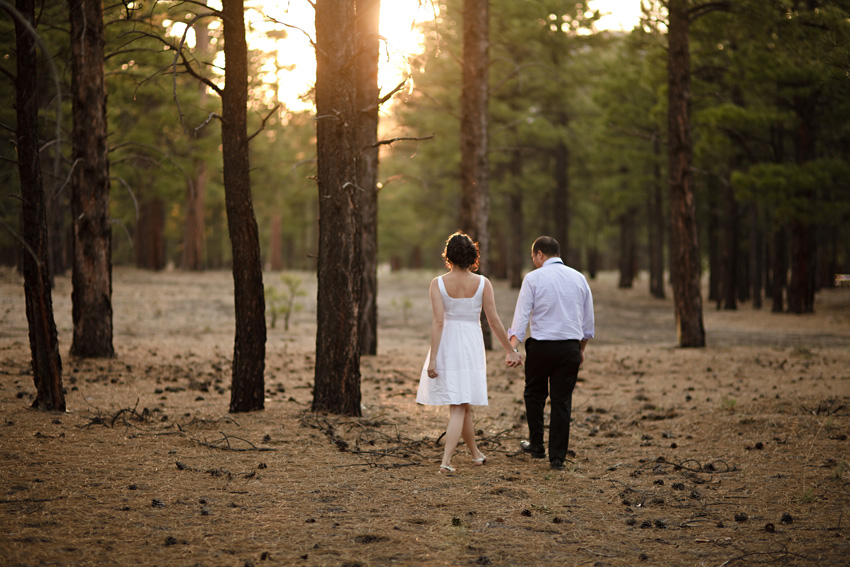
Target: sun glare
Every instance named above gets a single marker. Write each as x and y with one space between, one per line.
617 15
293 67
285 30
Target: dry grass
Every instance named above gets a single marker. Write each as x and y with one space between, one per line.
147 467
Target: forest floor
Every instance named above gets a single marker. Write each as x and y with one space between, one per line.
733 454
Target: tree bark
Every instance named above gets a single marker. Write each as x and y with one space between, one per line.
626 263
561 211
715 270
592 262
780 270
249 351
729 252
801 291
656 225
44 342
519 249
276 242
92 272
684 250
474 163
475 189
756 258
366 69
340 263
195 208
149 244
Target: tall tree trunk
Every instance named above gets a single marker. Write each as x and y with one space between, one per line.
801 291
92 272
193 225
519 249
561 211
780 269
828 258
656 224
193 229
475 187
340 266
592 261
249 350
366 69
684 250
44 342
276 242
729 251
715 269
626 263
149 245
756 258
56 205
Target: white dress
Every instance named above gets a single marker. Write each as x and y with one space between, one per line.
461 361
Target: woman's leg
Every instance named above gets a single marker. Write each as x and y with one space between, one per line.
453 431
468 433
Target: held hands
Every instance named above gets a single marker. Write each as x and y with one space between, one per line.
513 359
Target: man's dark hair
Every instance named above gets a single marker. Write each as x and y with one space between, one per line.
547 245
461 251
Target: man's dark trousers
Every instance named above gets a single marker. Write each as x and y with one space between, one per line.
551 369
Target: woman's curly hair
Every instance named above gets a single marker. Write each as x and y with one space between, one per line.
461 251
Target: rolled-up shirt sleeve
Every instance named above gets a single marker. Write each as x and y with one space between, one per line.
522 312
588 325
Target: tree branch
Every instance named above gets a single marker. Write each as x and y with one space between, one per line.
263 125
701 10
391 141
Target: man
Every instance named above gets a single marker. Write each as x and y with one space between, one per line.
557 301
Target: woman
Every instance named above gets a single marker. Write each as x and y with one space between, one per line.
455 373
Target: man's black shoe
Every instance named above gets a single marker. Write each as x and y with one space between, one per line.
557 464
535 451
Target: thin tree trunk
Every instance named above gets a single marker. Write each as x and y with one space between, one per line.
55 208
249 350
715 269
193 230
729 251
340 265
780 270
149 245
92 272
684 250
801 291
44 342
519 249
275 260
592 262
368 47
626 261
561 211
656 225
756 259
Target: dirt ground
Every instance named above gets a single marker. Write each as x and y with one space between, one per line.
734 454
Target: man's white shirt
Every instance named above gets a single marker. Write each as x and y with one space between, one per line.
556 299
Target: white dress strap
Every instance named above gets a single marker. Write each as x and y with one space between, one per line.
442 287
480 289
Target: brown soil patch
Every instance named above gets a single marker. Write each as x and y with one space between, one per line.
736 454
